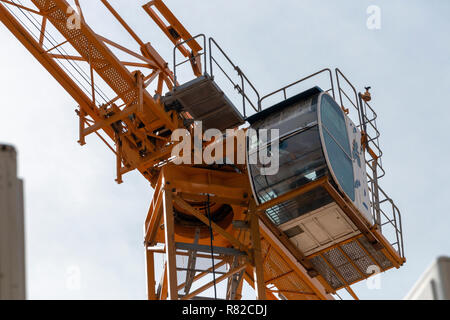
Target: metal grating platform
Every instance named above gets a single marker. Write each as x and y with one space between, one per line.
348 263
205 102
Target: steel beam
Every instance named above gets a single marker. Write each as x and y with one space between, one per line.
218 280
150 264
207 249
258 268
169 229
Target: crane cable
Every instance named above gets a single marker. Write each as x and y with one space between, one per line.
212 247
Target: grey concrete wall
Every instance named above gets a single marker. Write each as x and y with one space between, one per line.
434 284
12 242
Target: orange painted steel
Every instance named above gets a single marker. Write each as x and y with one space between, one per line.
149 119
136 127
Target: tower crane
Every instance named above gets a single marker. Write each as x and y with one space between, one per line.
320 224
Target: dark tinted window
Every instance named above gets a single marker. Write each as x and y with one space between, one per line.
301 162
337 144
298 116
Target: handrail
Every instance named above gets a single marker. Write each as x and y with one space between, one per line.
243 77
357 106
204 54
395 221
284 89
367 123
372 140
212 60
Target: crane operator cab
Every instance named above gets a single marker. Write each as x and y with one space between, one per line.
320 195
316 140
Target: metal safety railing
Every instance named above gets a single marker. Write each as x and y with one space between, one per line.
385 213
367 118
284 89
241 86
244 81
193 57
369 127
387 217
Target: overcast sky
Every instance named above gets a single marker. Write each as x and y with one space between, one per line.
77 218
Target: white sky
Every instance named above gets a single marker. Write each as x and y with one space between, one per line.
77 216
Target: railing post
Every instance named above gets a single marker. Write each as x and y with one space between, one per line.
397 231
376 196
169 232
205 53
243 96
151 283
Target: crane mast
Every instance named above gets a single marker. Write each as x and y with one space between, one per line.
200 212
